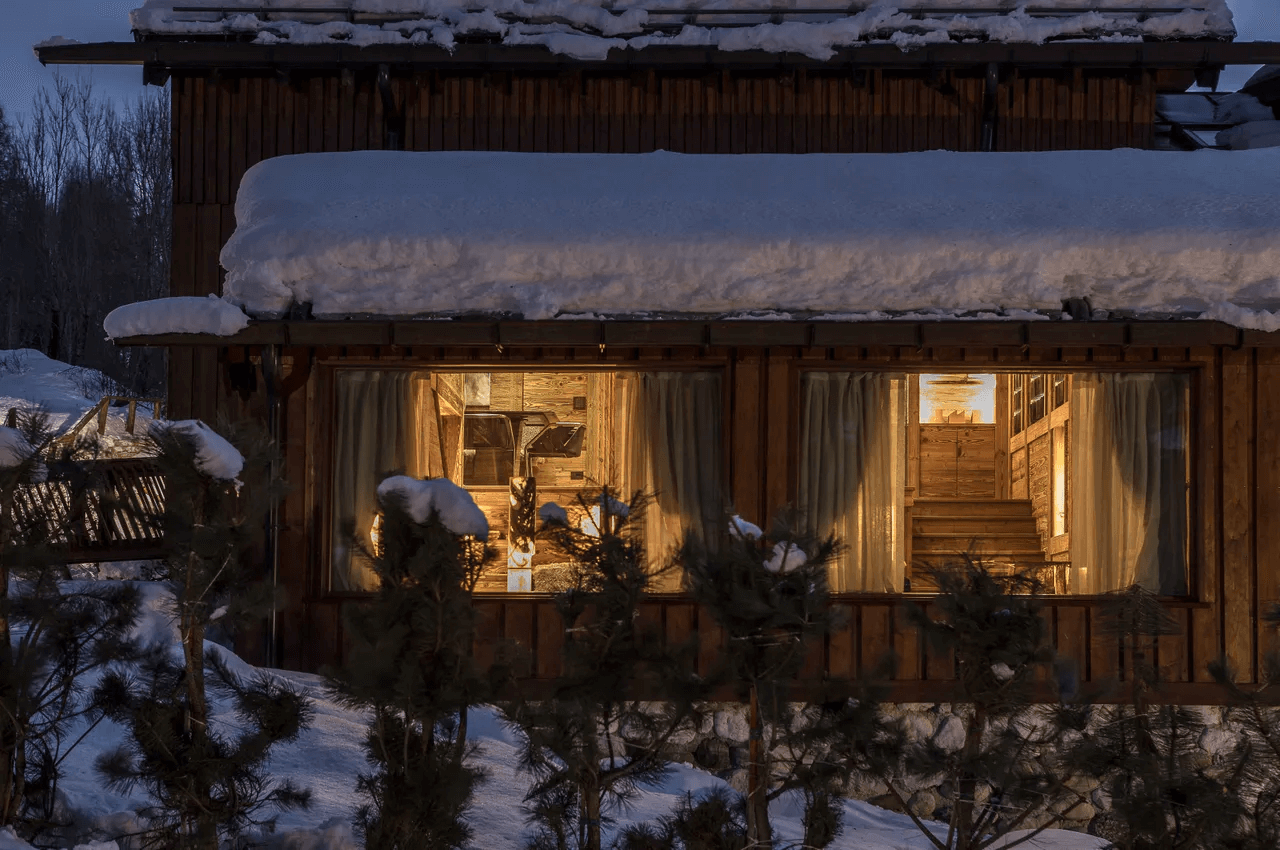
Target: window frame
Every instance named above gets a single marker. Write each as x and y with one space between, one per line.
914 369
321 470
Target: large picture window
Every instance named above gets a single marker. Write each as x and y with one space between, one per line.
548 435
1080 478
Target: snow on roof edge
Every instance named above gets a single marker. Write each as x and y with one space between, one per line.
838 236
587 30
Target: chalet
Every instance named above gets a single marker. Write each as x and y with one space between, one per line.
1064 361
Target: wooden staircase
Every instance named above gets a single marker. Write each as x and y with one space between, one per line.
1000 533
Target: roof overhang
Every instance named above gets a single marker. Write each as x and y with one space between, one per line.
175 56
695 332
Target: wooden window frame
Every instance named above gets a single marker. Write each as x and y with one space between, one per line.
321 470
1055 415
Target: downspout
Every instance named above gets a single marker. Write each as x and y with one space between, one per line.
271 377
990 107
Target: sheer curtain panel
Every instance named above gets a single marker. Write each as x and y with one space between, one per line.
375 434
853 473
1129 470
670 448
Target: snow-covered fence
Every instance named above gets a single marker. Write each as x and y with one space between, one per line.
100 410
118 517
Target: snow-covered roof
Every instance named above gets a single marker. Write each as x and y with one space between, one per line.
181 314
825 235
589 29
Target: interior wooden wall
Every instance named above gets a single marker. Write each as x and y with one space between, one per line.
223 125
1235 542
957 462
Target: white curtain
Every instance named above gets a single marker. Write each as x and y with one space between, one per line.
669 447
853 473
1129 438
377 430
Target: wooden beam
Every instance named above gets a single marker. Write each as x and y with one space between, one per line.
192 54
693 331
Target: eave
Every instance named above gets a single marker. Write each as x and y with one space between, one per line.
186 56
572 333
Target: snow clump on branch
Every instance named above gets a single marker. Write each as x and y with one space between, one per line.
787 556
215 457
14 448
458 512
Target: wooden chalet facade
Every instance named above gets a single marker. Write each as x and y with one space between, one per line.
235 104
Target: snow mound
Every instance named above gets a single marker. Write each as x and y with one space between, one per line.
457 510
179 315
1251 136
215 457
589 29
64 393
936 233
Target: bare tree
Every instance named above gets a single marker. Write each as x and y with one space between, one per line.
89 204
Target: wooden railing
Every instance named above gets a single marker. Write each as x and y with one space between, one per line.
114 514
100 410
873 626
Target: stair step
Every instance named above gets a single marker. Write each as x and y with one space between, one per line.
972 507
984 551
984 526
998 561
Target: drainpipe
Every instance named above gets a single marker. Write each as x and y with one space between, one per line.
990 107
271 377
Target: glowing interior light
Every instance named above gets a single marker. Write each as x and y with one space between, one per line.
375 536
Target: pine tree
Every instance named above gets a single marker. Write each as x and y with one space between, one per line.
52 631
410 665
773 604
1145 752
594 742
1257 751
205 785
712 821
1001 772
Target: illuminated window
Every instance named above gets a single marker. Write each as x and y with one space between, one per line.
1017 394
1101 457
1060 385
513 437
1036 407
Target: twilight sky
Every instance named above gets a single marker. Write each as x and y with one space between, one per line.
30 21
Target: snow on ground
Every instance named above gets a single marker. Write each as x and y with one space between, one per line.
544 235
328 757
180 315
65 393
589 29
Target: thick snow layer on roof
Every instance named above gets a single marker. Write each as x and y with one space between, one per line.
458 512
181 315
589 29
215 457
847 236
